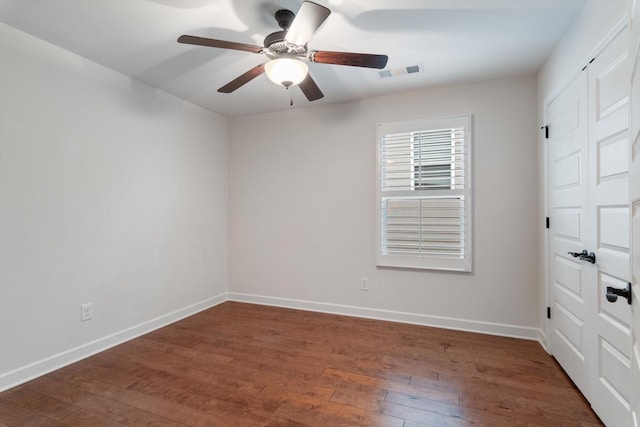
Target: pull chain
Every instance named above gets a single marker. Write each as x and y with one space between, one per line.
290 97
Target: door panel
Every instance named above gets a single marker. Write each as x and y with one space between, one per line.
569 328
611 86
614 229
567 222
613 365
613 157
567 171
568 276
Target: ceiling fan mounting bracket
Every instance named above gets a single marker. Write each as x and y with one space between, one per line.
284 18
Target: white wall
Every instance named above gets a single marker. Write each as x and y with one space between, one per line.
111 192
597 19
577 47
302 210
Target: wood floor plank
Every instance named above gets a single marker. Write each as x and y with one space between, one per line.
313 411
187 353
84 418
12 414
108 408
41 403
398 373
342 380
368 400
241 364
279 390
420 417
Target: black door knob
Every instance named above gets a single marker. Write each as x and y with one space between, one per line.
584 256
614 293
590 258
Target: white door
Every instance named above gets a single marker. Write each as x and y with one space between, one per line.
571 297
634 190
609 230
589 210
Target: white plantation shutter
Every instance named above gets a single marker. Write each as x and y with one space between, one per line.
424 207
424 226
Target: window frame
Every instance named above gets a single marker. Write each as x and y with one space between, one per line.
427 262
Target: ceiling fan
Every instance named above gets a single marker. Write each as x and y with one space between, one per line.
285 49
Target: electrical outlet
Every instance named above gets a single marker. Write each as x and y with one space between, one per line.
86 312
364 286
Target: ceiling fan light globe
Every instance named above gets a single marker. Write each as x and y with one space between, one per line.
286 71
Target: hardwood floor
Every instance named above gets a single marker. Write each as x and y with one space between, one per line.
247 365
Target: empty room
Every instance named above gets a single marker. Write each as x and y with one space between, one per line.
320 213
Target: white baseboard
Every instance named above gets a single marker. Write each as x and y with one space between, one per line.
26 373
542 339
490 328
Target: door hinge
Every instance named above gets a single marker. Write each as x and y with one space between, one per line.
585 67
548 312
547 222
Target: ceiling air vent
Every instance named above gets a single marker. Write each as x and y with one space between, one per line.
401 71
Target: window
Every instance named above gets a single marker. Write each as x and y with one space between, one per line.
424 194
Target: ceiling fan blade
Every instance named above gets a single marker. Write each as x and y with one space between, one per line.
243 79
307 21
347 58
310 89
203 41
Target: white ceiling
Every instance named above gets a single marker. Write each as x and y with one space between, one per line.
453 40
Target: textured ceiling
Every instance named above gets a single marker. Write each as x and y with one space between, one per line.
453 41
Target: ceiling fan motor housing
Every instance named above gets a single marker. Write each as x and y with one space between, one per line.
275 41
